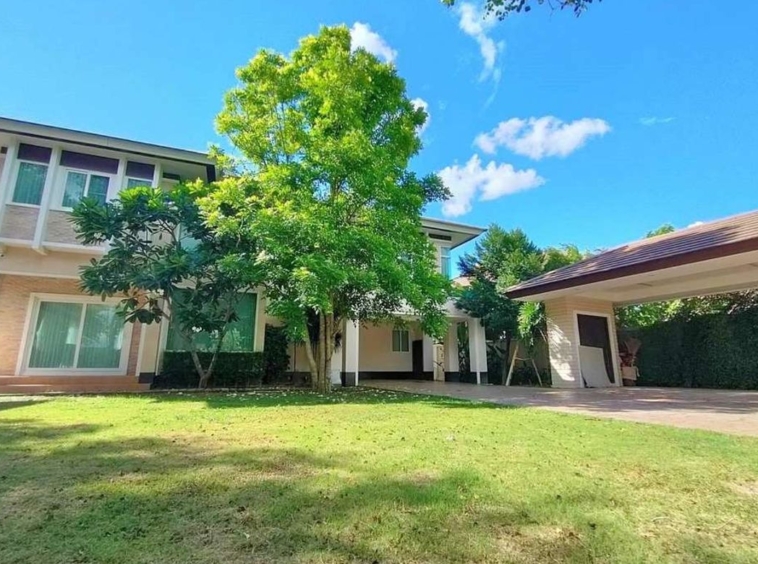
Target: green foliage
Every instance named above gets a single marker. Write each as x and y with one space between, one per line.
158 246
324 193
503 8
501 259
276 358
704 351
233 370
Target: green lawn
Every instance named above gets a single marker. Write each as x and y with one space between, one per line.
362 476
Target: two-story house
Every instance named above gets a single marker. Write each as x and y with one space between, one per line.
54 337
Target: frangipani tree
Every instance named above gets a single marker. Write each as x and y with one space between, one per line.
325 195
166 265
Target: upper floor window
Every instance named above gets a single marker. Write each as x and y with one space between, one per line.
31 174
445 263
85 176
400 340
139 174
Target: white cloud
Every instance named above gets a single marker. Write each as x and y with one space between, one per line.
695 224
424 105
655 120
476 25
473 181
363 37
547 136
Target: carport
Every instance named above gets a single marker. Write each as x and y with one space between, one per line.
710 258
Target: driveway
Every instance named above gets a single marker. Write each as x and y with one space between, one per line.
724 411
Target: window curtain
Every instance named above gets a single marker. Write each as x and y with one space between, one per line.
56 335
102 338
76 182
98 188
30 183
59 332
400 339
239 337
445 262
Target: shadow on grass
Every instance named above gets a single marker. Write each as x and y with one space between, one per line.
295 397
152 499
68 494
11 402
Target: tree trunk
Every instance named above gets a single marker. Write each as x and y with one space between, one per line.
506 358
204 374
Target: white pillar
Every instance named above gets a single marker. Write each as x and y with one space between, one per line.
5 177
351 343
428 353
47 198
477 350
259 332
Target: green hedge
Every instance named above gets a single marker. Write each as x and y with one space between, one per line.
712 351
232 370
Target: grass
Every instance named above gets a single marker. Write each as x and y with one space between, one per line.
362 476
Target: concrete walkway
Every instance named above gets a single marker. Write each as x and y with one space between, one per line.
725 411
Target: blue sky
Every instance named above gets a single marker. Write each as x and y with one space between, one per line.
636 114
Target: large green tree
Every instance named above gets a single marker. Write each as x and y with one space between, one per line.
503 8
166 265
325 195
501 259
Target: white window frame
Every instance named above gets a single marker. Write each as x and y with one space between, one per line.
35 299
447 255
14 177
62 177
408 340
144 182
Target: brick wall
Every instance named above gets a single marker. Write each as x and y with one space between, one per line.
19 222
59 228
15 294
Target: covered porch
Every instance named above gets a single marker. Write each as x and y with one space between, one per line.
402 351
710 258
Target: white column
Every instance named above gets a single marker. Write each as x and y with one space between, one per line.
157 175
337 363
5 177
47 198
477 350
428 350
259 335
351 343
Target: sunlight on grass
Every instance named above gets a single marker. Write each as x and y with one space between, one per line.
362 476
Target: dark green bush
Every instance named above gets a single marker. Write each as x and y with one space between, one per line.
711 351
276 359
232 370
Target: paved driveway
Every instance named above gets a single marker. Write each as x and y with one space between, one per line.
725 411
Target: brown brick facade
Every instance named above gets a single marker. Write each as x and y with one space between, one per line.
15 292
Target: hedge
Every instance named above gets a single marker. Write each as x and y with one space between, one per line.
233 369
712 351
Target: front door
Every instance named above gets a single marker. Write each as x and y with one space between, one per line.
594 334
417 349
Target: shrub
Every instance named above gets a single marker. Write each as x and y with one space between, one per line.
233 370
276 359
710 351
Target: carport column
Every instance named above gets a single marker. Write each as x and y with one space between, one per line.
452 369
351 343
477 347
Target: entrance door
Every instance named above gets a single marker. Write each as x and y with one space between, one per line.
594 334
417 350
